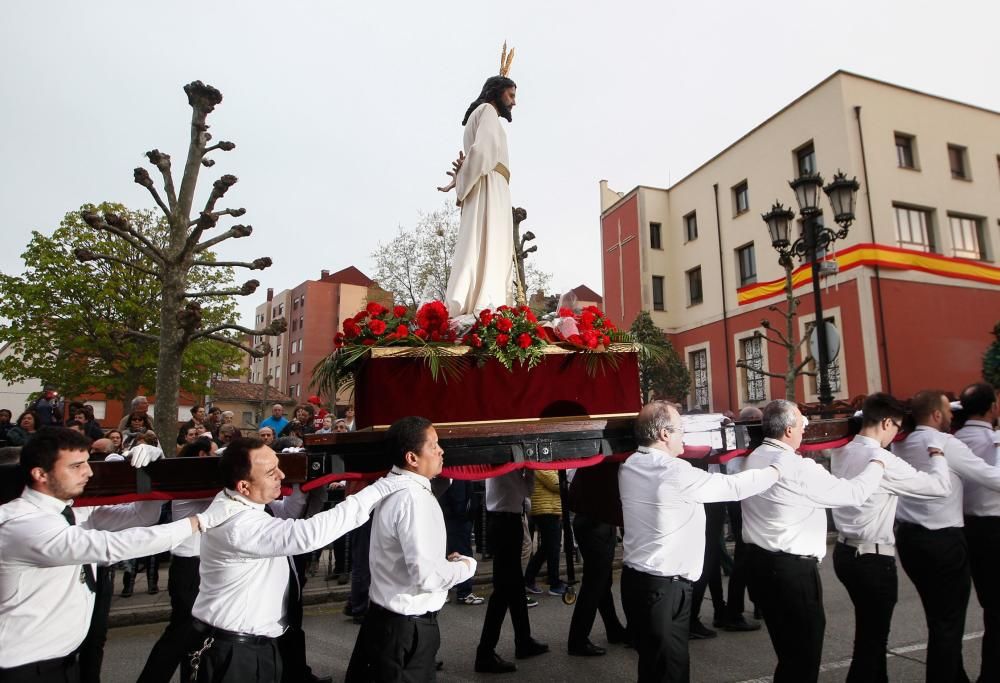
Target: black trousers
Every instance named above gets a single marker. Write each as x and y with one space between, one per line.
983 537
92 648
548 527
63 670
735 603
171 649
937 562
711 573
292 643
597 548
788 590
228 662
873 585
506 534
394 648
361 575
658 612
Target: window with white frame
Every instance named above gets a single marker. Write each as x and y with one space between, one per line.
752 354
914 229
967 236
698 361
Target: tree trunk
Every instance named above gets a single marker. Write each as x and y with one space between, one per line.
168 365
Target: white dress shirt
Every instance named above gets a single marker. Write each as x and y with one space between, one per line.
45 607
244 561
180 508
789 517
964 468
506 493
984 441
663 508
871 522
410 571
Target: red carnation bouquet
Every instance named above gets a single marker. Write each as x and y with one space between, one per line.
375 325
508 334
593 329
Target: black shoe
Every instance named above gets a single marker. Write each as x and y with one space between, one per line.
530 648
588 649
493 664
739 624
127 585
699 631
439 665
313 678
152 589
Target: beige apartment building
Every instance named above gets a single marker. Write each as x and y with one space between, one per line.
918 287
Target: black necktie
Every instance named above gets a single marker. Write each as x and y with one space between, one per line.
86 571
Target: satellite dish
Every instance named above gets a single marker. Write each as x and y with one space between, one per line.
832 342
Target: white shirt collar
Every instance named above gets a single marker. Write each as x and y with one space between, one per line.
655 451
925 428
240 498
44 500
419 478
867 441
778 444
978 423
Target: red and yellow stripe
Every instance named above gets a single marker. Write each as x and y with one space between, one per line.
885 257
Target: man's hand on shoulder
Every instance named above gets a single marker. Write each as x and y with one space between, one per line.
218 512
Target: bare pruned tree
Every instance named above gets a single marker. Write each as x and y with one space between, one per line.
185 248
785 340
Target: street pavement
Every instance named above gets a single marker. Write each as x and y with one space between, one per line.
729 658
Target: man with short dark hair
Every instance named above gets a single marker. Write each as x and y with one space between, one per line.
981 506
246 579
663 509
46 575
865 556
784 529
929 534
266 434
5 417
198 417
411 573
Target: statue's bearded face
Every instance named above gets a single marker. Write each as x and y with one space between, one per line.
506 102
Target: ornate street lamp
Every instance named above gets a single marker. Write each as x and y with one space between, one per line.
816 238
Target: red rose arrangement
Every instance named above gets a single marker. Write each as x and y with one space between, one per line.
432 323
509 334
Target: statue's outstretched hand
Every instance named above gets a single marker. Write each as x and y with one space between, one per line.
455 166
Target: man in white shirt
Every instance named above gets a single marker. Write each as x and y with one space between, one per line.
246 580
865 556
46 575
663 509
411 573
929 536
982 517
785 533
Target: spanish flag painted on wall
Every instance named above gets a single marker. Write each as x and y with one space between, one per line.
884 257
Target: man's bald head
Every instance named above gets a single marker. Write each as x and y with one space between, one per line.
104 446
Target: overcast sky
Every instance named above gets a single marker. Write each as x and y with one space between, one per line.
347 114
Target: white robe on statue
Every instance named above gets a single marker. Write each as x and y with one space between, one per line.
482 270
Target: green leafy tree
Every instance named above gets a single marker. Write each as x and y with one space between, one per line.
662 375
73 324
991 360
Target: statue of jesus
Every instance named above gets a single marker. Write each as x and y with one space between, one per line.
482 269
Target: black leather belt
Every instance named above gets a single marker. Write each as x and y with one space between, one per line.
430 617
44 666
228 636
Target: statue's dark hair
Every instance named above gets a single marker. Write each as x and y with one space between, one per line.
492 89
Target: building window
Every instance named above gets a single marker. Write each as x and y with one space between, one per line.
694 286
247 417
913 228
805 160
295 324
658 293
291 368
277 351
699 373
753 356
741 198
302 301
906 151
298 367
691 226
654 236
295 303
967 236
302 320
959 162
747 263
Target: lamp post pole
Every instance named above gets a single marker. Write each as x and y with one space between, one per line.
842 193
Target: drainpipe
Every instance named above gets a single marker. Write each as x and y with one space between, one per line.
883 340
725 318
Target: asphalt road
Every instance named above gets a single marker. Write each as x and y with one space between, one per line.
731 657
